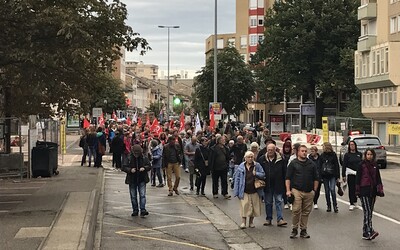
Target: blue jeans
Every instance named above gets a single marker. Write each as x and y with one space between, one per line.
268 199
92 152
133 189
329 185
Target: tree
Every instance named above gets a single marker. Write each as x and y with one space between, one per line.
308 44
55 51
235 83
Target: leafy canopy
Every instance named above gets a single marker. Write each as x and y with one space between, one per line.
235 86
54 51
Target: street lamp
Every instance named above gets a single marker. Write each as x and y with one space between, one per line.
168 27
317 94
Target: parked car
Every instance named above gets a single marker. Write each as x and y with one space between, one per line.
363 142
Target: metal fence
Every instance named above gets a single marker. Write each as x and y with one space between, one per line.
347 124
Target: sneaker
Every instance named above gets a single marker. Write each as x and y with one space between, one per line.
267 223
143 213
242 226
251 225
329 209
315 206
153 185
170 193
304 234
176 192
215 196
291 207
366 237
351 208
227 196
294 233
281 223
230 179
286 206
374 235
336 209
186 170
135 213
160 185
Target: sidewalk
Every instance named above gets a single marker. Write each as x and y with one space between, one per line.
52 213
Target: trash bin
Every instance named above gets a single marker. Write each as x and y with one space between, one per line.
45 159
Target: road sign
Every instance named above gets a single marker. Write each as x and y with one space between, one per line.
96 112
325 129
393 129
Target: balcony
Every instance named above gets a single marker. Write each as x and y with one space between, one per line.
367 11
365 42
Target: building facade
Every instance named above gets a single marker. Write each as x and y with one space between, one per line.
149 71
377 62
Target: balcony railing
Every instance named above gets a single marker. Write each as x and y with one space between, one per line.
367 11
365 42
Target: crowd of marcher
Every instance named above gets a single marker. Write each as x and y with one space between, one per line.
245 159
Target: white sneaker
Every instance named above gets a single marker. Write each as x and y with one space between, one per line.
291 207
286 206
351 208
315 206
230 179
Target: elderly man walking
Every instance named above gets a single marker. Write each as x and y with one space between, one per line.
219 160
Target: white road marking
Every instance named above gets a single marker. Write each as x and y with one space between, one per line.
10 202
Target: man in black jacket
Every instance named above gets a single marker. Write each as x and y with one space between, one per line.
136 178
275 173
219 160
172 158
301 182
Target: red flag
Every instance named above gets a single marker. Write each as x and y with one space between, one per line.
212 121
114 116
101 120
86 123
182 122
155 128
139 122
171 124
128 121
147 121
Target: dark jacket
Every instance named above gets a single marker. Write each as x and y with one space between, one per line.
201 155
302 175
169 149
351 161
217 151
330 157
238 151
117 144
137 163
317 163
368 180
275 173
91 140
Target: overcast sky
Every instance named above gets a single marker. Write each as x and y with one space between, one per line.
187 44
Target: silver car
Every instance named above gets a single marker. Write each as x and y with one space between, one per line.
363 142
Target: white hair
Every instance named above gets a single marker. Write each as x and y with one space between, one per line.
248 153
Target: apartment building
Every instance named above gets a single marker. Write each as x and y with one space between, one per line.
377 64
149 71
250 16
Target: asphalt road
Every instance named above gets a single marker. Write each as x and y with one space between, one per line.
191 222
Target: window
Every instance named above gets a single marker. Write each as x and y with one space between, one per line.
381 97
220 43
253 40
393 21
231 42
394 98
260 3
356 66
253 21
261 21
376 98
390 96
253 4
364 66
378 60
373 67
385 97
364 29
260 38
386 60
382 61
243 42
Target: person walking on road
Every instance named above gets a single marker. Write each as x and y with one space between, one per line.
275 173
351 163
83 144
244 189
117 148
91 140
190 150
219 161
156 152
238 150
137 178
172 158
201 164
330 175
301 182
316 158
368 186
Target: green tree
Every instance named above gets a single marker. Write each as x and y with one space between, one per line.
308 44
55 51
235 83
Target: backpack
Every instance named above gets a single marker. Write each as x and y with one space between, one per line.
328 168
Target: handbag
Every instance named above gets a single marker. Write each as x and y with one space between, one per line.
340 190
258 184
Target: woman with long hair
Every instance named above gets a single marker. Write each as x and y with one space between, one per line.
330 175
368 186
315 157
351 163
244 189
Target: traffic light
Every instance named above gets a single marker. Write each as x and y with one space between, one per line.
177 101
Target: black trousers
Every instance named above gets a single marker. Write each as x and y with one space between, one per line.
85 153
216 176
317 192
200 183
117 159
351 185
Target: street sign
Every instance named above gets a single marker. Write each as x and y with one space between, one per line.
216 107
342 126
96 112
393 129
307 109
223 112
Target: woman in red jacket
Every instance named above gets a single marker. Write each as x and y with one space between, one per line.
368 186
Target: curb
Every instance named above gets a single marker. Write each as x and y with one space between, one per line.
89 226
